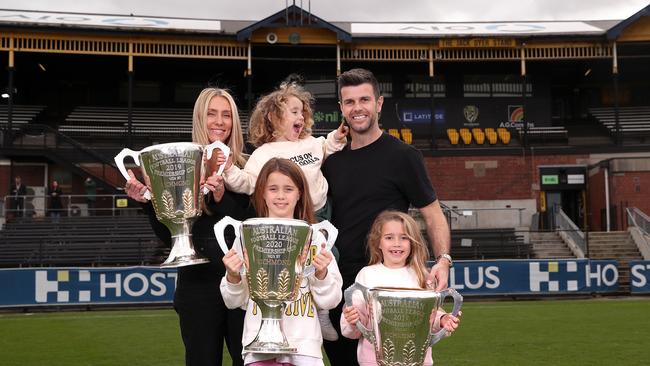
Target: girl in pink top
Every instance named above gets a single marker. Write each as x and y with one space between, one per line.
398 255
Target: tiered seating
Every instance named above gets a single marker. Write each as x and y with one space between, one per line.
453 136
491 135
504 135
633 121
20 114
407 135
93 121
98 240
479 136
489 244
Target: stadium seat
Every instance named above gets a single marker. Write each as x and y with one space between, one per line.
491 135
504 135
466 135
453 136
394 132
407 135
479 136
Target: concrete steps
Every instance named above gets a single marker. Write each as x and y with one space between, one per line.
549 245
616 245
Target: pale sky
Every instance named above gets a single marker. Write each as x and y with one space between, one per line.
352 10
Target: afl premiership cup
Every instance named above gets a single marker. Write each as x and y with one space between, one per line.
275 254
173 173
400 321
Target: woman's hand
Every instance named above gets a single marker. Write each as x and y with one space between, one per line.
233 265
351 314
215 184
134 188
322 260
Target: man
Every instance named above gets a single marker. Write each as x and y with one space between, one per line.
91 194
18 192
373 173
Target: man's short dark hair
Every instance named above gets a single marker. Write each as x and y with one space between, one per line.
357 77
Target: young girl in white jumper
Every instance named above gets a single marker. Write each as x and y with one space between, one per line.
281 191
398 255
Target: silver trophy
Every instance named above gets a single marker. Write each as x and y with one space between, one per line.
275 254
173 173
400 321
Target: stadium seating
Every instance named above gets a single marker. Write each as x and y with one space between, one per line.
504 135
453 136
20 114
503 243
394 132
634 122
491 136
466 136
93 121
545 134
407 135
479 136
96 240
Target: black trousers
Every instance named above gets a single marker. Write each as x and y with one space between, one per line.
206 323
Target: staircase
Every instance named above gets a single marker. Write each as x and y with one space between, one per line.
549 244
616 245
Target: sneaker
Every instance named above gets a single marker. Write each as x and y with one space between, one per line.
326 327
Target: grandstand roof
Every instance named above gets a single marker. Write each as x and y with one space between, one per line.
362 19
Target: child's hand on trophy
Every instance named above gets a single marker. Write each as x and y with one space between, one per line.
450 322
321 261
215 184
134 188
351 314
233 265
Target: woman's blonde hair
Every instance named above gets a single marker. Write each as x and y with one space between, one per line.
419 250
266 120
304 209
200 132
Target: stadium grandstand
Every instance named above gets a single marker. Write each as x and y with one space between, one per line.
536 134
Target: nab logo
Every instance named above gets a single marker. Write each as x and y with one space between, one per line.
545 276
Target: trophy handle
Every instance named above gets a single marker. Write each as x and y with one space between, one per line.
221 146
332 232
458 302
119 161
220 228
347 295
208 153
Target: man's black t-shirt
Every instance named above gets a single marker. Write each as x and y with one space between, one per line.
386 174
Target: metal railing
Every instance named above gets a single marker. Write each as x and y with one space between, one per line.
567 227
476 218
638 218
35 206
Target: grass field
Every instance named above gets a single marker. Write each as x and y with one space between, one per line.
545 332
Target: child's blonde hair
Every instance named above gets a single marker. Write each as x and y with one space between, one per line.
266 120
419 250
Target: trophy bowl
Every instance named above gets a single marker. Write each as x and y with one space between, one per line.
173 173
275 253
400 321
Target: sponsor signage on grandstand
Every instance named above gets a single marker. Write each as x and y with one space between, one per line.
80 286
640 277
422 115
477 42
563 177
530 277
488 28
107 21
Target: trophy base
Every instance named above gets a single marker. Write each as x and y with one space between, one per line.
184 261
270 347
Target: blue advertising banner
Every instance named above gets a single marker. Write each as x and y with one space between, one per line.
640 277
530 277
80 286
132 285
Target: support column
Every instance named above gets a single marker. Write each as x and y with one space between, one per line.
10 91
432 82
129 135
618 137
523 94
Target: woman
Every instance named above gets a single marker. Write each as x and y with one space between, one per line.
204 319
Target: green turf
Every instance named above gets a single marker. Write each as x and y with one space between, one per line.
561 332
